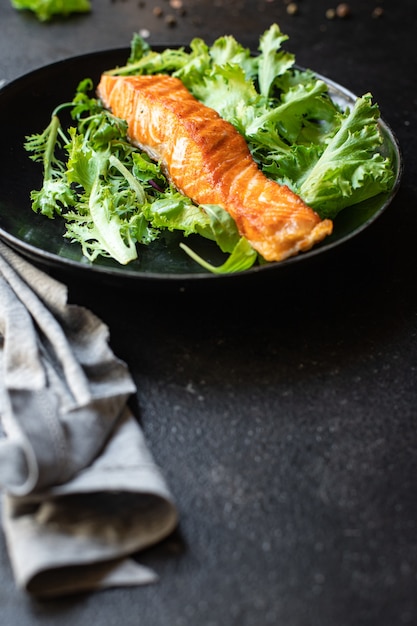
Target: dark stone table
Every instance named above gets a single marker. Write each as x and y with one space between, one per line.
282 411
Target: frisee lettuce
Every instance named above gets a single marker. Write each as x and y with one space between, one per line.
46 9
114 197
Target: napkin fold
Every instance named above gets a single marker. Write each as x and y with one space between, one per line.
81 492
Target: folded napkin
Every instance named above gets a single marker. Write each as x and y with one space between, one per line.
81 492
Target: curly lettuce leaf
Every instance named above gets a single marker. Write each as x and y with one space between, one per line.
350 169
223 89
273 61
46 9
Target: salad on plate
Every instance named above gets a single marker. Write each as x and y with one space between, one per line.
114 198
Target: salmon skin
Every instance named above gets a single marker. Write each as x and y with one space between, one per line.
209 161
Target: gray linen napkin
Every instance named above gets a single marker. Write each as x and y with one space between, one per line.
81 491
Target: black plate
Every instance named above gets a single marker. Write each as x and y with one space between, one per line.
25 108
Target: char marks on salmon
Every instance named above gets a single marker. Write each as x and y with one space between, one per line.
209 161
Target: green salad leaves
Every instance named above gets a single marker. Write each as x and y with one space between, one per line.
46 9
114 198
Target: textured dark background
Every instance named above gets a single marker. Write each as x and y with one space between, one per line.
283 414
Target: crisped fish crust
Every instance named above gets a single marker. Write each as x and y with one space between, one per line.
208 160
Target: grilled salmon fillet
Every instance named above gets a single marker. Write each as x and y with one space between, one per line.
209 161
